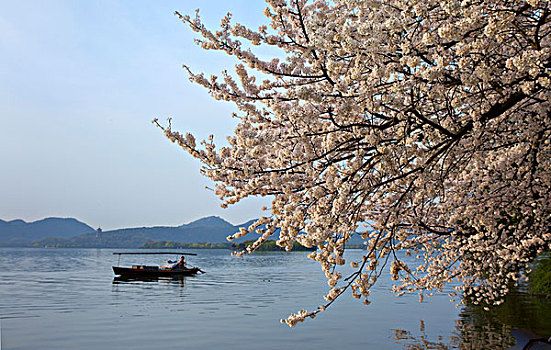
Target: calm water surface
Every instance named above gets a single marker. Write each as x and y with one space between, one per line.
68 299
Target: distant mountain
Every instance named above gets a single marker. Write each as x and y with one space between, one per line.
15 222
211 229
17 232
247 224
58 232
209 221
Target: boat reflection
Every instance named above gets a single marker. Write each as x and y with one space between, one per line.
179 280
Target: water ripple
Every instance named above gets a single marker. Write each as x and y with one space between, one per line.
68 298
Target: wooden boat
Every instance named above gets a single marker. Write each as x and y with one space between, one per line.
178 269
154 271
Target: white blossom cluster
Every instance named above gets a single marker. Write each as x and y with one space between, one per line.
430 120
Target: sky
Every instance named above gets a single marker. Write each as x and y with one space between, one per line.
80 82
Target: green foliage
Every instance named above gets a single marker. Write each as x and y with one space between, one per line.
138 241
540 278
150 244
270 245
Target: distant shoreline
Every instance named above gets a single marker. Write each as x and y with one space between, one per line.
208 232
269 245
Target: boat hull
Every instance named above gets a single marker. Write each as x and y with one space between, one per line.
150 271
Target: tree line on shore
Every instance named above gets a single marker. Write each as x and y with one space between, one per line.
269 245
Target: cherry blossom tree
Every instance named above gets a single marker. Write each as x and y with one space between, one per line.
428 121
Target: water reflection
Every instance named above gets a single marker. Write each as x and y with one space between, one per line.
57 298
520 310
480 329
177 280
466 336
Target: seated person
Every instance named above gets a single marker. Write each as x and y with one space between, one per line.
180 264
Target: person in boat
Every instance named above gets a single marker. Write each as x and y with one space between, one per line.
180 264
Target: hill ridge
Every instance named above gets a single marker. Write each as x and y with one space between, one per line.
210 229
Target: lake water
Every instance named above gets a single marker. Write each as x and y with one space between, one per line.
69 299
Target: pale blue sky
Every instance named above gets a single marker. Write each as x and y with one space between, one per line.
80 82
